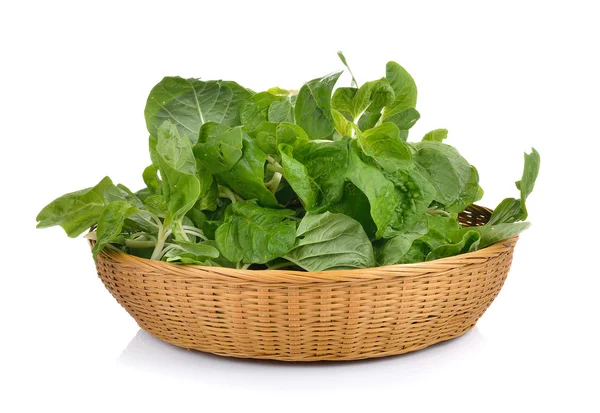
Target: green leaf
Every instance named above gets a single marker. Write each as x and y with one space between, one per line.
381 193
343 59
181 188
436 135
190 103
439 231
331 242
512 210
471 193
445 168
313 107
150 176
394 249
326 164
343 101
371 97
341 124
77 211
384 145
219 147
405 90
404 119
469 242
257 108
247 176
175 149
110 223
355 204
298 177
157 205
253 234
191 253
269 135
281 111
209 190
491 234
416 253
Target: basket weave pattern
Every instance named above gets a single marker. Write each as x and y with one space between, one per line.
303 316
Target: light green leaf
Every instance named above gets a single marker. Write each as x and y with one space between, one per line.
437 135
181 188
281 111
404 119
256 109
405 90
77 211
384 145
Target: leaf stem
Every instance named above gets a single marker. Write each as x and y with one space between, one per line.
281 265
225 192
139 244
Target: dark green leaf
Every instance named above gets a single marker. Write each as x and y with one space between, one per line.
246 178
110 223
253 234
491 234
178 168
395 248
469 242
331 241
218 148
445 168
405 119
313 106
471 193
190 103
381 193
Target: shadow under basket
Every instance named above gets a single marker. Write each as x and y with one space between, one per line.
310 316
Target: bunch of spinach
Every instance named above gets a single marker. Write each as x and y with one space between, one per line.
315 179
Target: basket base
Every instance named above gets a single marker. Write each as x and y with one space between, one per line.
315 358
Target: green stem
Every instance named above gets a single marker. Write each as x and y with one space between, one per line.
281 265
225 192
139 244
273 183
160 241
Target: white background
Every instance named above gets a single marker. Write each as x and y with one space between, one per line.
501 77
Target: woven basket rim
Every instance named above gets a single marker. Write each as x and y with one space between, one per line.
420 269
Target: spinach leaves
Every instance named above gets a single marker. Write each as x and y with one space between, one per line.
322 178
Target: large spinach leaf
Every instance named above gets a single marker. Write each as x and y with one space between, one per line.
331 242
190 103
253 234
313 106
77 211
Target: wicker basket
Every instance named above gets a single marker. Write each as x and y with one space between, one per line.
304 316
